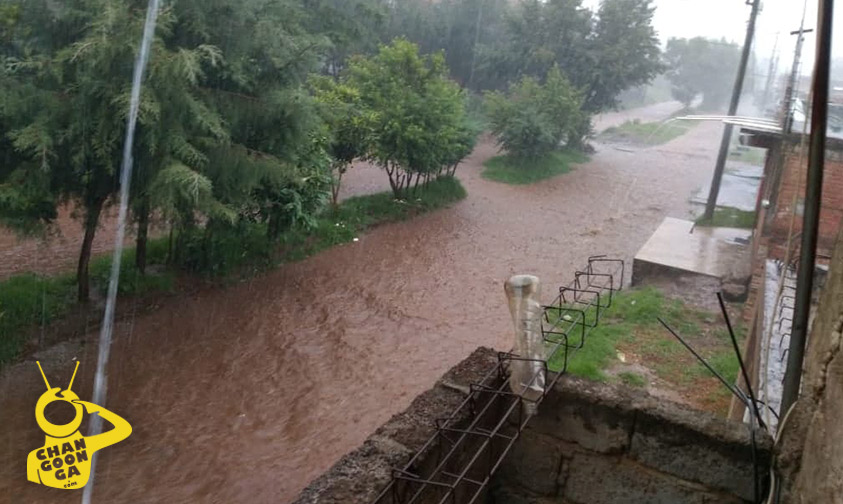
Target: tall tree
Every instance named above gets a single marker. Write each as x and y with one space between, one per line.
602 53
626 50
79 86
702 66
352 27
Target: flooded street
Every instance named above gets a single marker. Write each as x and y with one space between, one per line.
244 394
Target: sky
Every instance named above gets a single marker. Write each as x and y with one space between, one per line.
728 19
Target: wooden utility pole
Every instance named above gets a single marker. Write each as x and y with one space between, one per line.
787 123
771 72
733 109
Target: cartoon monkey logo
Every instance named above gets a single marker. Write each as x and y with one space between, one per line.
64 460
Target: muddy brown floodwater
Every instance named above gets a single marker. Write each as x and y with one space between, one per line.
246 393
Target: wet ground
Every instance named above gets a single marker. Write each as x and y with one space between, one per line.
244 394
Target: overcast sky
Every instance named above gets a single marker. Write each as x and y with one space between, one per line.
728 18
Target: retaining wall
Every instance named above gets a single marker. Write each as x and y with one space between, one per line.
590 443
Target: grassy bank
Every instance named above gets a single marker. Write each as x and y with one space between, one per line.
729 217
356 215
648 133
751 155
512 170
630 337
29 300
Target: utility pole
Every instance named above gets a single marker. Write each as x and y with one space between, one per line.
810 219
787 123
733 109
771 72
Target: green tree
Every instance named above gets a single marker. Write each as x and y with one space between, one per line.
226 131
602 53
351 26
626 50
347 125
538 35
80 88
702 66
270 170
533 119
460 28
414 109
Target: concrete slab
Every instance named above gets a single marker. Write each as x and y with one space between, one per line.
679 247
738 189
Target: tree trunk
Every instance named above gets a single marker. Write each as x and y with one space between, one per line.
92 218
395 181
143 233
170 258
416 186
336 183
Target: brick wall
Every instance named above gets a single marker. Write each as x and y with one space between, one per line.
792 179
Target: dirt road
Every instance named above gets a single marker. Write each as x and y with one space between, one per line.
244 394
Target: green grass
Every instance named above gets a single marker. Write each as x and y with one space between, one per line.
512 170
729 217
131 281
28 300
355 215
652 133
631 327
632 312
752 155
632 379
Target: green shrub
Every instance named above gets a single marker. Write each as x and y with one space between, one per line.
131 280
26 300
533 119
220 249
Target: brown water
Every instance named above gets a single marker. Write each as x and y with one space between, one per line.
245 394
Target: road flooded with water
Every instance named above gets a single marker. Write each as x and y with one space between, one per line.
246 393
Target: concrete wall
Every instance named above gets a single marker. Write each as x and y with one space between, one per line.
810 456
599 444
590 443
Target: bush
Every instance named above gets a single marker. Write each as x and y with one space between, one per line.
29 299
219 249
533 119
131 280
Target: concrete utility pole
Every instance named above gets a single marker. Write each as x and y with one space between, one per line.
733 109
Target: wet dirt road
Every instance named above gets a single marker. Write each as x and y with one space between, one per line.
245 394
